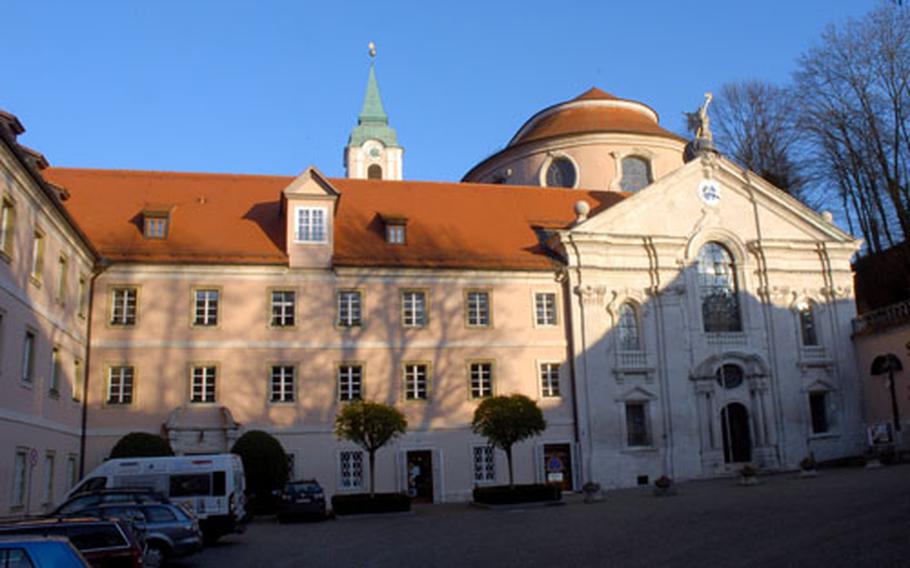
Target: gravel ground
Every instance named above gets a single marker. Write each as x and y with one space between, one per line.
844 517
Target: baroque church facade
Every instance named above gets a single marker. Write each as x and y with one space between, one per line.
671 313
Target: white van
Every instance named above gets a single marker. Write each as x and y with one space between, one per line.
212 486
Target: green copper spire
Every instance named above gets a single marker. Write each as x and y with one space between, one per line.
373 122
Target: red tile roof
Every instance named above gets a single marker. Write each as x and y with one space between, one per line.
573 119
236 219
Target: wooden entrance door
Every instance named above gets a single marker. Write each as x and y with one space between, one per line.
420 476
557 465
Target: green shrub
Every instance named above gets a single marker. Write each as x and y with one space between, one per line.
505 495
265 465
141 445
363 503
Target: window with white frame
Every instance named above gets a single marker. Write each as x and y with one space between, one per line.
83 296
807 329
7 226
123 306
78 379
484 464
477 308
350 382
395 233
47 495
350 466
156 225
549 380
818 409
638 433
416 381
72 474
545 308
37 256
282 383
205 307
56 371
413 308
202 388
120 384
63 264
311 225
20 477
629 336
28 358
481 375
349 308
283 308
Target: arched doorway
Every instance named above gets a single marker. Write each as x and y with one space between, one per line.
734 424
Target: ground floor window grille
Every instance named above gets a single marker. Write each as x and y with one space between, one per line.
484 464
351 469
20 478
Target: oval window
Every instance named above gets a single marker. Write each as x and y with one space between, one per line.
730 376
561 173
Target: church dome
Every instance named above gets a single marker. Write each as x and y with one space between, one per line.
594 141
592 111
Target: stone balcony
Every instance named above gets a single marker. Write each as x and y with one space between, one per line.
884 318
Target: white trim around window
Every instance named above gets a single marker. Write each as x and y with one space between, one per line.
311 225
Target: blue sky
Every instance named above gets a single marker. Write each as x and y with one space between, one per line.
272 87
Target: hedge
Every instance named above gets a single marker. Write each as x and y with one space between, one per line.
362 503
505 495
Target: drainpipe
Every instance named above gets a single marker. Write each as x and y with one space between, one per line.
99 268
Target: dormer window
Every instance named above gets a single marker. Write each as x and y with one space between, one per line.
395 229
155 224
311 225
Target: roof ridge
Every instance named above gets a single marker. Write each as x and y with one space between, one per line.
165 172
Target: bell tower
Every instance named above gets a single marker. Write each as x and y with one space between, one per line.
372 151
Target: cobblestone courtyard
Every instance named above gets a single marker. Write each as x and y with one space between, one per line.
845 517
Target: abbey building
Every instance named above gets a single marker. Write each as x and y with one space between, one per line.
671 316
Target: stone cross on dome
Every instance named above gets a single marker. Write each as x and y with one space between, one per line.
372 151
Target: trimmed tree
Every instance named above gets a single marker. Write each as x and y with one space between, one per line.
507 420
265 464
370 425
141 445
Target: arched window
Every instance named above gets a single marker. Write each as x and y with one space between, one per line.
636 173
374 172
629 336
718 289
561 173
730 376
807 330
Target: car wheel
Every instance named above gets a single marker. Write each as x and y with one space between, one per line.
155 556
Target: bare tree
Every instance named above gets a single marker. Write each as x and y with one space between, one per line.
755 125
854 109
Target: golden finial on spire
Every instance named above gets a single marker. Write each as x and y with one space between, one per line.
372 47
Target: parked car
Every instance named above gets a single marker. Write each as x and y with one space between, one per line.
304 498
39 552
212 486
170 531
104 543
96 497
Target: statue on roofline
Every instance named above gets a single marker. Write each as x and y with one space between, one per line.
699 123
